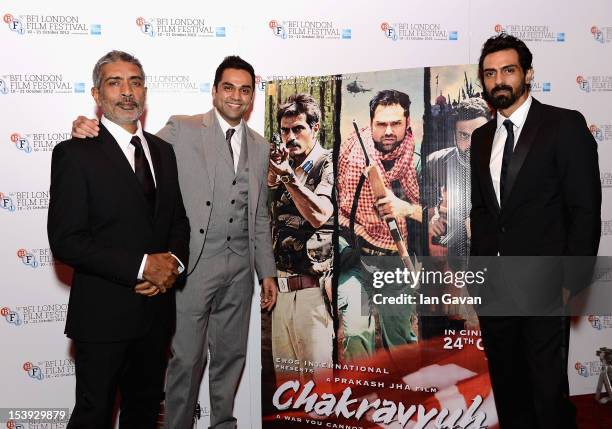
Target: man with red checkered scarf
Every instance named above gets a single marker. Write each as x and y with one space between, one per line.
366 245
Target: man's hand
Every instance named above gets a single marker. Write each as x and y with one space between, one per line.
83 127
161 269
148 289
438 221
279 162
391 207
268 293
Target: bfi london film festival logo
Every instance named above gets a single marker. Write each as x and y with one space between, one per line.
531 33
537 86
179 27
49 369
309 29
38 141
417 31
39 83
600 322
260 83
594 83
588 368
35 314
606 179
606 228
602 133
54 25
602 34
201 411
7 203
12 317
36 258
24 200
270 81
176 84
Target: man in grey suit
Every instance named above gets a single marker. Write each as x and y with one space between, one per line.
222 172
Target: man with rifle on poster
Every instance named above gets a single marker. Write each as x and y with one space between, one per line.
378 198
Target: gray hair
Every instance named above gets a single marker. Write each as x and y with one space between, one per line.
113 57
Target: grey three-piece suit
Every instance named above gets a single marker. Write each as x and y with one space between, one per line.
230 239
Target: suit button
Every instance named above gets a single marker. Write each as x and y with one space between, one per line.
502 228
233 201
201 230
207 203
231 220
229 238
234 182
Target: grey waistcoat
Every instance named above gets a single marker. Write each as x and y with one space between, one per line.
228 227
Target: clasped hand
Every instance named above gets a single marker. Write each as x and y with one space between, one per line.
160 273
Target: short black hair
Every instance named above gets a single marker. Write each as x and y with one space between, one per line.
501 42
297 104
233 62
388 97
471 108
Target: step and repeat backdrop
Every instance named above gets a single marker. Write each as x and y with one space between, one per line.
47 56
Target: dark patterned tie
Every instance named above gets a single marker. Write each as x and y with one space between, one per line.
143 172
508 149
228 138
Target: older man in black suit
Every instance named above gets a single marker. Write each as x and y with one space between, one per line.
116 216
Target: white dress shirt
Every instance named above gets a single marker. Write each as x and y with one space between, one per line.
236 140
123 138
499 141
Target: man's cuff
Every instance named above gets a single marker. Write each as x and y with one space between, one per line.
142 267
181 267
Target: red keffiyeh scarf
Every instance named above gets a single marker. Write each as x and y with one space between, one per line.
351 164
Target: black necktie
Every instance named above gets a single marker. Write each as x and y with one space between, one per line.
508 149
143 172
228 138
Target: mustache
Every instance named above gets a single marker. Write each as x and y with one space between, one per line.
127 100
501 88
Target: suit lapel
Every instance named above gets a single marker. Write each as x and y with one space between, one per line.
220 143
523 146
121 166
485 169
210 153
157 167
254 184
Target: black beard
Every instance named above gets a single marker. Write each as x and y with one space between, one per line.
464 156
380 147
502 101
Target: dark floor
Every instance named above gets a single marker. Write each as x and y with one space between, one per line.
592 415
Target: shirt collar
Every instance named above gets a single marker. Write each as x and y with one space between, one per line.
519 115
225 126
316 152
120 134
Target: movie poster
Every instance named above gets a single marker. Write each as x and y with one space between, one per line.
368 191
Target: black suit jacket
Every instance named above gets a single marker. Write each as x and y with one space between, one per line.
552 202
100 224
